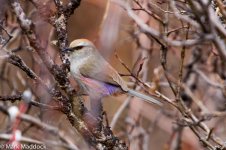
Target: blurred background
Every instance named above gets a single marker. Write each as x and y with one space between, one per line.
142 126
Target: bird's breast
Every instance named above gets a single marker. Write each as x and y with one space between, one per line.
76 65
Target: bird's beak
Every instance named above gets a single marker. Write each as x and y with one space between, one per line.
66 50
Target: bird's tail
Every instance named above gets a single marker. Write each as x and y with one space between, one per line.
144 97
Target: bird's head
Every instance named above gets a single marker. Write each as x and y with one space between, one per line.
79 45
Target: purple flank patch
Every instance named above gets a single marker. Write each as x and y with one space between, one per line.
98 87
110 88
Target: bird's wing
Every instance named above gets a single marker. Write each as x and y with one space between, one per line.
102 71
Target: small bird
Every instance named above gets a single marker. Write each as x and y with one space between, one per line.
94 74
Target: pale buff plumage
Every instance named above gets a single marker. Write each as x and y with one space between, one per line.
86 63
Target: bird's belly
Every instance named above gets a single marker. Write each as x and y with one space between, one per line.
91 86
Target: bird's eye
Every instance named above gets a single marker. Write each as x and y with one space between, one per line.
78 47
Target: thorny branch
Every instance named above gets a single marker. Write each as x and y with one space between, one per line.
78 115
